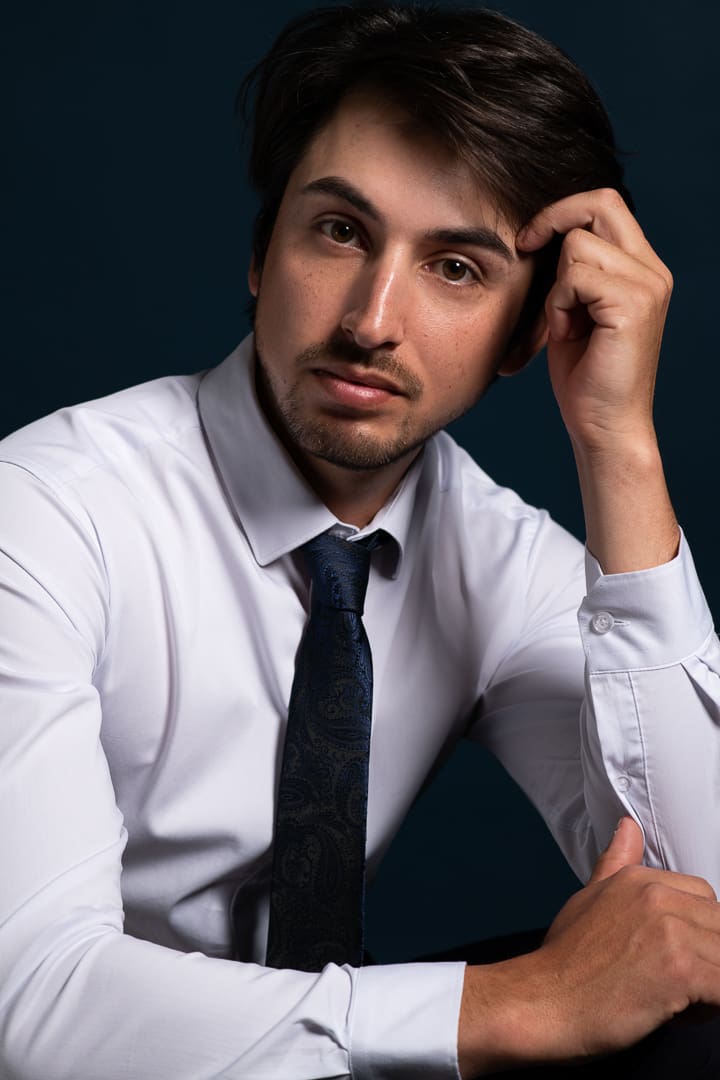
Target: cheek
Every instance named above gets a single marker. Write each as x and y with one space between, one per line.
467 351
297 295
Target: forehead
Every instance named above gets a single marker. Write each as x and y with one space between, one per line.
388 155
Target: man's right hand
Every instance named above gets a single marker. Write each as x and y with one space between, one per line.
628 952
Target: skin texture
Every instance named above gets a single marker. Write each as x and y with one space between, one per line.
606 314
368 297
373 330
628 952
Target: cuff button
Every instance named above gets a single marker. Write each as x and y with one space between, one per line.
602 622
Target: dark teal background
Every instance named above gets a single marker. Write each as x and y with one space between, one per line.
126 224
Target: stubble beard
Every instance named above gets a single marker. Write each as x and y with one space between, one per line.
346 442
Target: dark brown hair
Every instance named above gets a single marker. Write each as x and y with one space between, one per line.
500 97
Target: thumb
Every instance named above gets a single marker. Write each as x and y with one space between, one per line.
625 849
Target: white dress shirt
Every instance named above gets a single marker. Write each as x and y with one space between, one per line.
151 605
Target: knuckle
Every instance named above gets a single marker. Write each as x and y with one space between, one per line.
668 930
630 874
655 899
610 198
574 273
704 888
678 963
666 280
574 247
574 238
645 302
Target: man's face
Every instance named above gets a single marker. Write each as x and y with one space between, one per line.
388 294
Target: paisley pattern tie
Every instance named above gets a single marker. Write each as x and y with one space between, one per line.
318 878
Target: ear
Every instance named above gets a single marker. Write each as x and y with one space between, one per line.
253 277
529 345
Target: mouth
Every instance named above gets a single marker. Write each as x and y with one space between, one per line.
361 377
357 389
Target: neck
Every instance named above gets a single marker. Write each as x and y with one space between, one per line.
353 495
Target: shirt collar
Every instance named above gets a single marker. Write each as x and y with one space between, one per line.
277 508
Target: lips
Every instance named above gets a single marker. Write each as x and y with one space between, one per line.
363 377
355 392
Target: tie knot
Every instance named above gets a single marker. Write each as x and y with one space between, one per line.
339 570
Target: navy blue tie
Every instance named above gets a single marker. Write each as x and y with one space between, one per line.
318 879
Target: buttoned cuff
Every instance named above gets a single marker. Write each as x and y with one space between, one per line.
404 1024
643 619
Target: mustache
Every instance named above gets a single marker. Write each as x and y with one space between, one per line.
347 351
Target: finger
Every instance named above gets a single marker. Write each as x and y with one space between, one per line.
613 303
689 885
666 889
581 246
625 849
572 306
602 212
692 960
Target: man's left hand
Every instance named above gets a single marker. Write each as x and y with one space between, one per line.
605 314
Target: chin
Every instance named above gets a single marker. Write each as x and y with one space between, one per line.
356 451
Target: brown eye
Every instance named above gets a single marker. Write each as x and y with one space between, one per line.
341 232
453 269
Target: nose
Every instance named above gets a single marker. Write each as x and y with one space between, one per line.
376 312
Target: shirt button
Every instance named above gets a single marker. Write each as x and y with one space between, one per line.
602 622
623 783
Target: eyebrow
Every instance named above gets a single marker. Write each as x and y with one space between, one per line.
335 185
476 236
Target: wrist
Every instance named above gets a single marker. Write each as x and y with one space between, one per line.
633 450
505 1018
629 519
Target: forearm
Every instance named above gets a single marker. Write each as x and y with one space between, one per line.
629 519
497 1025
522 1013
628 952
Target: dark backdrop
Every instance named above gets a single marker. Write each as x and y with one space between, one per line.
127 223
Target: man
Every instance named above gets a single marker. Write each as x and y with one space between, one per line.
415 170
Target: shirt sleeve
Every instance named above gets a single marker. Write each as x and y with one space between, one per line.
620 717
650 726
79 998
